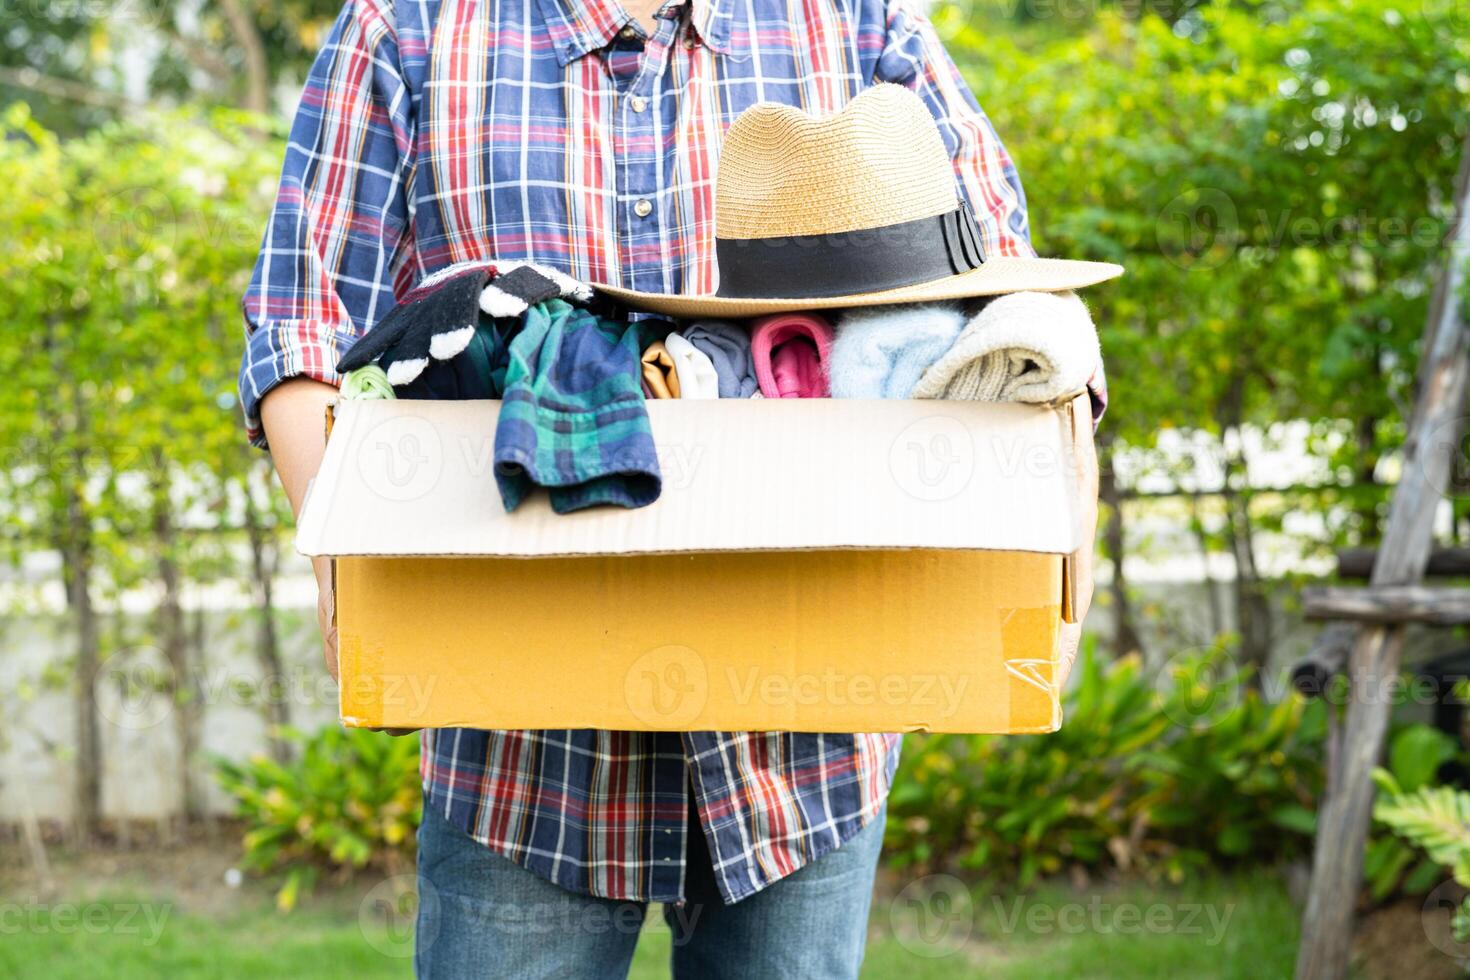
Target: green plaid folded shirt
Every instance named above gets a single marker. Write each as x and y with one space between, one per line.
572 417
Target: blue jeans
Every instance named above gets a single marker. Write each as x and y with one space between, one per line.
481 915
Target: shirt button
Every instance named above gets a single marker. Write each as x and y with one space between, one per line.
643 208
628 32
638 102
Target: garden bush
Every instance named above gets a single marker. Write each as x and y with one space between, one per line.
1433 821
1156 772
348 800
1162 773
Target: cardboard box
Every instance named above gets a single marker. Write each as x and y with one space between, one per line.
812 565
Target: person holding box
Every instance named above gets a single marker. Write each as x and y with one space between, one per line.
584 135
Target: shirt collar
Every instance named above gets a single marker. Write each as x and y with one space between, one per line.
579 27
712 23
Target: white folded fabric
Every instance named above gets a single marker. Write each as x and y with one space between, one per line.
697 376
1022 347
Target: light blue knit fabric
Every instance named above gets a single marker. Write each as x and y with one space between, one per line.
882 351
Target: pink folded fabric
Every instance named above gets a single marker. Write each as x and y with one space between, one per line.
790 353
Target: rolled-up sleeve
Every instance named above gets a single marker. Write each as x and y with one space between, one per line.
913 56
340 230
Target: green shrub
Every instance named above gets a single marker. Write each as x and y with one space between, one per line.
1236 780
349 800
1158 773
1436 820
1395 863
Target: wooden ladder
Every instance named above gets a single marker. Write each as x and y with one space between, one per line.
1391 599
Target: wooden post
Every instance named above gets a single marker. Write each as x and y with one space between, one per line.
1342 821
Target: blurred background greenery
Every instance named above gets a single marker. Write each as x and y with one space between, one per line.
1277 178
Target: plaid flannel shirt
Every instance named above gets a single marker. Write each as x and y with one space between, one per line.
437 131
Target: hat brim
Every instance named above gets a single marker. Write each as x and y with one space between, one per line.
996 277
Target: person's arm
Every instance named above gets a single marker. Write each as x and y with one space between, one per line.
1085 463
293 416
338 234
913 56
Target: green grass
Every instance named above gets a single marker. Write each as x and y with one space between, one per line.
1053 932
258 943
1237 927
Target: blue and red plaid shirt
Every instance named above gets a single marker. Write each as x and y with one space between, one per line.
440 131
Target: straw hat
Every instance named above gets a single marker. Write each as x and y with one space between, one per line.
855 209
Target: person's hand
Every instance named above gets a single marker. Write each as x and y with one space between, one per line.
326 609
1085 456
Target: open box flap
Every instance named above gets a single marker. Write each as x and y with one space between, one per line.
415 478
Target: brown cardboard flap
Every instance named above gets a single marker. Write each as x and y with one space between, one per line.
415 478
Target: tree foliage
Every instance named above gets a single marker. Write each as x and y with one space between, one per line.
80 64
1276 186
127 249
1275 178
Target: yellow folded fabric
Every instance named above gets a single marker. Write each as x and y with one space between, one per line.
660 375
